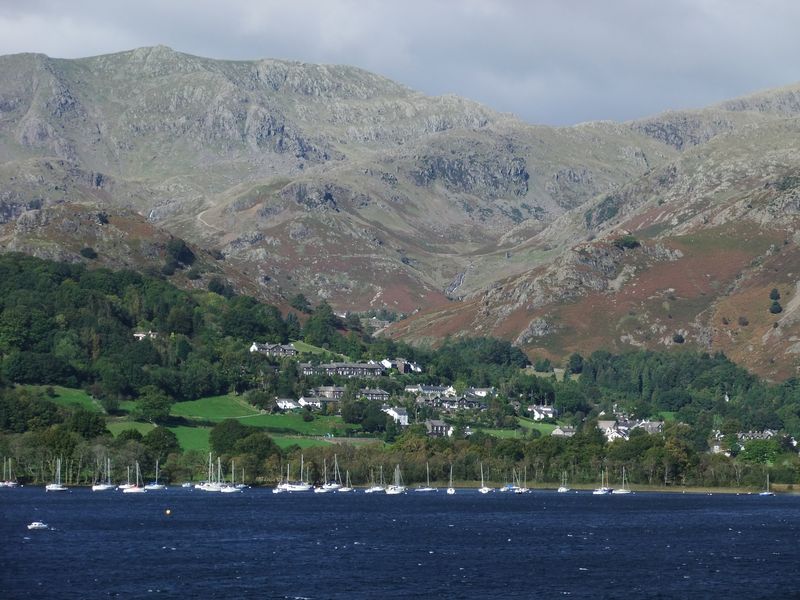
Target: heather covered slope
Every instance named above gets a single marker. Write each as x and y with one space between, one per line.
323 179
688 254
346 186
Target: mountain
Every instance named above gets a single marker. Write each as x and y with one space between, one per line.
688 253
328 180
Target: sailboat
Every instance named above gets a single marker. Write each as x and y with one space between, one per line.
523 488
56 485
336 482
450 489
155 485
104 487
298 486
231 488
347 487
624 489
281 487
241 485
212 482
138 488
324 489
375 487
427 487
127 484
603 489
563 488
767 491
397 487
483 489
8 477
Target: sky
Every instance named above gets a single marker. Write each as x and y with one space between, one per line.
555 62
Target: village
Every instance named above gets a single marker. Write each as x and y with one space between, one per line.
442 406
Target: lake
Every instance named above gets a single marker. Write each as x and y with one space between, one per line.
317 546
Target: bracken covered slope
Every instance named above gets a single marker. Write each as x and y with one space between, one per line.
343 185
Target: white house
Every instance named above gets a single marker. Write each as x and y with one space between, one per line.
287 404
397 413
141 335
310 401
539 412
612 430
563 431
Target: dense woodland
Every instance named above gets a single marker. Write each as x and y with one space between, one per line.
66 324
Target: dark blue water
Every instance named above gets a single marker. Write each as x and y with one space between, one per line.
263 545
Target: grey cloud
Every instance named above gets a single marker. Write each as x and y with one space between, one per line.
548 61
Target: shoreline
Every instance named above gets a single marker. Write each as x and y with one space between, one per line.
777 489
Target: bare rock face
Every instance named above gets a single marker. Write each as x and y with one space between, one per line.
343 185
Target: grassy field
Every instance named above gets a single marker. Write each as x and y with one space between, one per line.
214 408
294 422
127 405
303 442
309 349
117 427
543 428
192 438
189 438
67 396
288 429
526 425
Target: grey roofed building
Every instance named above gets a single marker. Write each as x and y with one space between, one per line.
437 428
274 349
563 431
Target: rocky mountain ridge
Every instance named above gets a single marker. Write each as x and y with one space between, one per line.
346 186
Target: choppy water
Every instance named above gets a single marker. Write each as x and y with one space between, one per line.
318 546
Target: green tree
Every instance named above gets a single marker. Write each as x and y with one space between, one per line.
774 294
258 444
180 252
575 363
87 424
321 327
760 451
161 442
153 405
225 435
301 303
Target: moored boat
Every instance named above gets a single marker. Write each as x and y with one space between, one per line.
397 487
56 486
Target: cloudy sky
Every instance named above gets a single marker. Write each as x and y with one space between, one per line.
548 61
